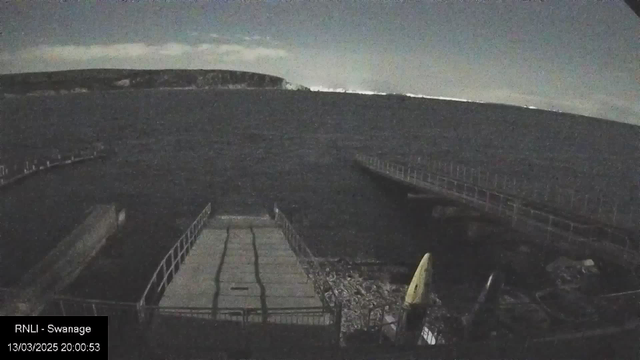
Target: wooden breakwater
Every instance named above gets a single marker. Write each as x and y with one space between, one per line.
12 170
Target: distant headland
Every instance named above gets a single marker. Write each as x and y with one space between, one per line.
75 81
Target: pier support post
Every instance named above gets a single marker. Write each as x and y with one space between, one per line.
140 312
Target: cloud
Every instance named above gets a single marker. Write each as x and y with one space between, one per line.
173 49
73 52
194 33
62 53
250 38
242 53
225 39
257 38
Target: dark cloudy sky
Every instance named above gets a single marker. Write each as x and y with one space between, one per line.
580 56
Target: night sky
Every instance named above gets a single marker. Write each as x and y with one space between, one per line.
568 55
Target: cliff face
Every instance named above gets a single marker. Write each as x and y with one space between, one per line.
62 82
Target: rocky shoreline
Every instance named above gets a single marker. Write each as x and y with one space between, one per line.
365 288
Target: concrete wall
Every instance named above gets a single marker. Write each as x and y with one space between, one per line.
75 249
63 264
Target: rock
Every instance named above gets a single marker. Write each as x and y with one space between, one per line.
566 272
123 82
365 298
441 212
290 86
480 230
567 304
518 312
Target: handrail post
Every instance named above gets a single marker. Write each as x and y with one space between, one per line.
164 272
140 311
573 194
173 263
586 205
486 208
338 321
571 232
600 207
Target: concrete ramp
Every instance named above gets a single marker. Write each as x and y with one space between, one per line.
240 287
243 263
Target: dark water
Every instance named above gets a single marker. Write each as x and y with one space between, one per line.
179 150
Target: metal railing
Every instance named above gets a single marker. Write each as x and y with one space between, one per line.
311 267
13 170
554 228
68 306
311 316
595 206
170 264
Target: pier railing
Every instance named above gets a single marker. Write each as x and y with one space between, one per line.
551 228
595 206
305 316
68 306
171 263
311 266
13 169
306 259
